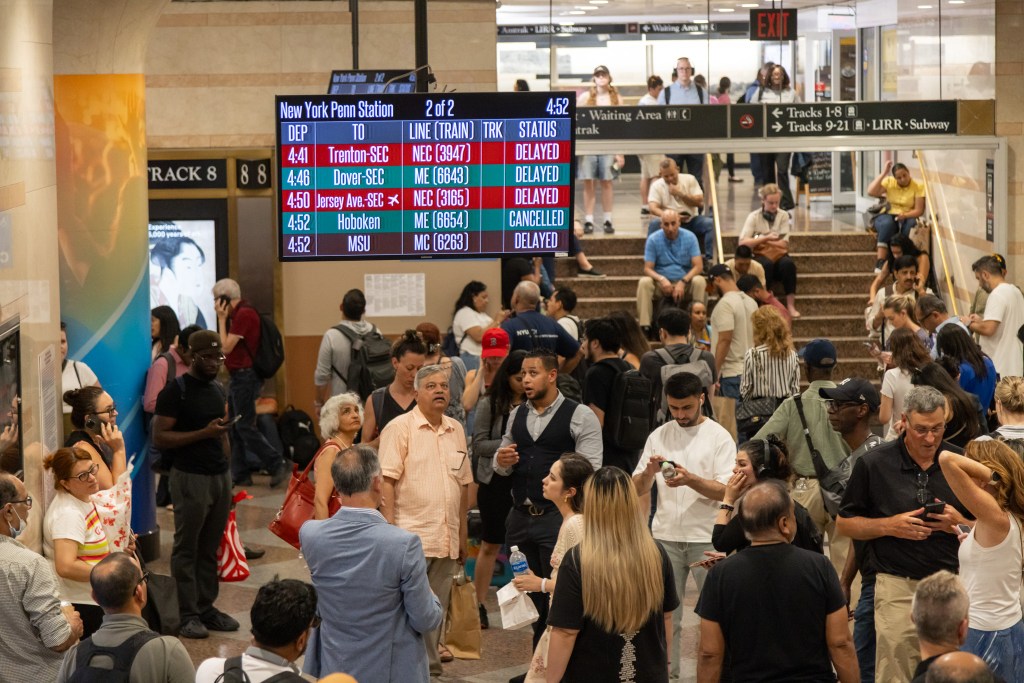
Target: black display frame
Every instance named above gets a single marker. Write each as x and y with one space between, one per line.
411 107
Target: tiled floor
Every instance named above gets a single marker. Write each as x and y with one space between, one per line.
505 653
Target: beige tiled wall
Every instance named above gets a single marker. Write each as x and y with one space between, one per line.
212 69
1010 121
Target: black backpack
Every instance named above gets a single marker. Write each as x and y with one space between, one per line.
234 673
295 427
370 367
668 93
268 357
451 346
627 422
123 656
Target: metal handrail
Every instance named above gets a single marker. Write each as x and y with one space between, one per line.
710 166
935 230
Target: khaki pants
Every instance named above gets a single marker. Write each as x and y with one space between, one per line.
806 491
646 292
440 571
896 648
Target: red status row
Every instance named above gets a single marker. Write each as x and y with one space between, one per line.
428 154
426 198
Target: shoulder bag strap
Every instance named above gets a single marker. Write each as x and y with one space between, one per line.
377 398
819 465
74 366
665 356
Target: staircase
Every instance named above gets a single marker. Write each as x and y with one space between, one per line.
834 273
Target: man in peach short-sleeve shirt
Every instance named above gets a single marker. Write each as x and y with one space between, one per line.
423 457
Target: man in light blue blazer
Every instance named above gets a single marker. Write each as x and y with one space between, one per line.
375 601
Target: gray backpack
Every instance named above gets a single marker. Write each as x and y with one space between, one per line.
695 366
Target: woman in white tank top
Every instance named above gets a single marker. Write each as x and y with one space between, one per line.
989 481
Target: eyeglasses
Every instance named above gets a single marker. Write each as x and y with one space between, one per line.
925 431
316 621
84 476
923 494
463 460
109 411
27 501
836 406
144 579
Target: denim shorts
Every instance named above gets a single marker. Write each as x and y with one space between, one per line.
595 167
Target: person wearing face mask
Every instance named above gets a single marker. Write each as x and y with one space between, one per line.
94 416
34 627
191 427
699 453
73 535
766 231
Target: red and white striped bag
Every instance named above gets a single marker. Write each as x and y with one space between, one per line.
231 562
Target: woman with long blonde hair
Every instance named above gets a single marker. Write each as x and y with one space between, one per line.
616 593
770 369
989 480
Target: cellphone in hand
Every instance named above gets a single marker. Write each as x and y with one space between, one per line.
232 421
963 528
935 508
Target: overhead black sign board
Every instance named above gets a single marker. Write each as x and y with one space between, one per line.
649 28
746 120
650 123
772 24
252 174
938 117
188 174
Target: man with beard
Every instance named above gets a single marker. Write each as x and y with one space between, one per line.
191 428
1003 317
539 431
701 455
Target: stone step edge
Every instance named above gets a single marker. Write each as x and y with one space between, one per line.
816 254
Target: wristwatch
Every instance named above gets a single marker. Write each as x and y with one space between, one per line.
726 506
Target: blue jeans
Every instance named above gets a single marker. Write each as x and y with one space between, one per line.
1003 650
730 387
864 629
703 227
887 227
682 555
245 435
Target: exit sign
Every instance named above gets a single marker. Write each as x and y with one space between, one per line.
772 24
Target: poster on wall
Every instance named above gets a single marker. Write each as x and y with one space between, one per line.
183 268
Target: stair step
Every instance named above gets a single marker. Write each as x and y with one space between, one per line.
808 283
799 242
813 262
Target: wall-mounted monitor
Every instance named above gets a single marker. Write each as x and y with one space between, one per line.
421 176
10 397
187 255
368 81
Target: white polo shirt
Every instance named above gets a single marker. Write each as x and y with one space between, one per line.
708 451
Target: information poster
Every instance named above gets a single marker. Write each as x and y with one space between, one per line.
384 176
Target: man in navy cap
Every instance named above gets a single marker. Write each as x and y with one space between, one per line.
819 356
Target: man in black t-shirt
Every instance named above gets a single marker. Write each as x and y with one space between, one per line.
191 429
602 341
884 505
776 611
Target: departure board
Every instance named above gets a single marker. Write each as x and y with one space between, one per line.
420 176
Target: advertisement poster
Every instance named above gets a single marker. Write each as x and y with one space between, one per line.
183 268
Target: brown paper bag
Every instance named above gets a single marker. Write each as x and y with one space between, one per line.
725 413
463 623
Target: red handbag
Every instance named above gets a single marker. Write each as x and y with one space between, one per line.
298 506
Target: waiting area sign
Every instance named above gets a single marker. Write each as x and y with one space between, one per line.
794 120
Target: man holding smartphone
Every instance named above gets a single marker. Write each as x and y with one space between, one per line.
191 427
898 502
239 326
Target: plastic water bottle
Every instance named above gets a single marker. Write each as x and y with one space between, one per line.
518 562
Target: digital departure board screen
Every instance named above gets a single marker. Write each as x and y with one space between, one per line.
361 82
419 176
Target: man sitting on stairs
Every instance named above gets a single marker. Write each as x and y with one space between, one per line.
672 270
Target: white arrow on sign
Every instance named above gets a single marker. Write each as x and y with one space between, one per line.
776 112
647 28
777 127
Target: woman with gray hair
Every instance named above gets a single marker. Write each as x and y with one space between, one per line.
340 420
